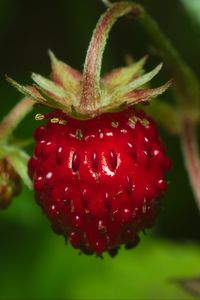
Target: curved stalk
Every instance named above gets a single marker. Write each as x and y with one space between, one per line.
91 88
191 156
14 117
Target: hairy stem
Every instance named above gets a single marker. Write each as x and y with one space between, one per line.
91 89
14 117
191 156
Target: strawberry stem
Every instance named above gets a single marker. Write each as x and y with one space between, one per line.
14 117
191 155
91 88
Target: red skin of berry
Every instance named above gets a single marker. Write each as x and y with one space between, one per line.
99 181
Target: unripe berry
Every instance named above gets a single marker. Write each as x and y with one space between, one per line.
10 183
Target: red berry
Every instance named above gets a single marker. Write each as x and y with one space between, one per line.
99 181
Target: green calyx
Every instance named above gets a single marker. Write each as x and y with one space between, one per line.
10 149
17 159
87 95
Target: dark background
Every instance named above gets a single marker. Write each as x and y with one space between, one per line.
27 30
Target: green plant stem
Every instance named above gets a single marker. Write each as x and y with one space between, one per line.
191 156
187 94
186 83
14 117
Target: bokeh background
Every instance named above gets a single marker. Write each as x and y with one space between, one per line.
34 262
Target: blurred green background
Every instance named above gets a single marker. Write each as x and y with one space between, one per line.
34 262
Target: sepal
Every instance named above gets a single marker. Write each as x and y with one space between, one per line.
136 83
64 75
133 98
18 159
87 96
120 77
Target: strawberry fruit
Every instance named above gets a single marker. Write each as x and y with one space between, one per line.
99 180
98 166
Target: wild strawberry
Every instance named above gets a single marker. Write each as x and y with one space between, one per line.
98 166
99 180
10 183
